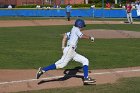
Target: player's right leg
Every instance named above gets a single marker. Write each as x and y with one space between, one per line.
128 17
85 62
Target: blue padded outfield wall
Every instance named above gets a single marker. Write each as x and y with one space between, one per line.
106 13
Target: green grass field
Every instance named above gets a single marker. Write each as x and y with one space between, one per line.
127 85
32 47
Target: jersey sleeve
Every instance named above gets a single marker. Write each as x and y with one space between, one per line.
79 33
68 35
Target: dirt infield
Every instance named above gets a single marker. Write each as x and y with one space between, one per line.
15 23
24 80
108 34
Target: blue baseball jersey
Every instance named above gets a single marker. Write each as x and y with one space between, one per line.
68 8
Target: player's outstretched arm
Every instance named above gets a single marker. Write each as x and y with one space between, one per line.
88 37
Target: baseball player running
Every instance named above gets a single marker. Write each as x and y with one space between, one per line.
69 52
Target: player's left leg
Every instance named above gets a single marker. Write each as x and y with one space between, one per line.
85 62
59 64
131 19
67 56
128 17
44 69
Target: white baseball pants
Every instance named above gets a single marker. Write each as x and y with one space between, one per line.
138 12
129 17
68 55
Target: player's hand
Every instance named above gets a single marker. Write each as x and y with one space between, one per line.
92 39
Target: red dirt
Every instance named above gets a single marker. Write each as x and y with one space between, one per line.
15 23
108 34
24 80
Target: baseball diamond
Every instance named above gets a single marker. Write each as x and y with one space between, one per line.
29 44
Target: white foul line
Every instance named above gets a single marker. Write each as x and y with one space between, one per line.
56 77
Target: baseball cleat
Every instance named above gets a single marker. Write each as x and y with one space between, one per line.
39 73
89 80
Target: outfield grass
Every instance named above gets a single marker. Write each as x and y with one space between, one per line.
32 47
129 85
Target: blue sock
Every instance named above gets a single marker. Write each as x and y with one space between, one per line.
51 67
85 68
